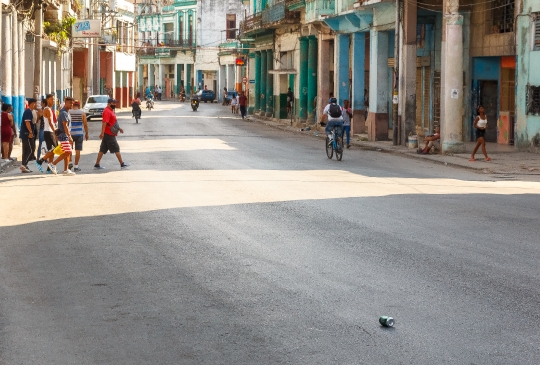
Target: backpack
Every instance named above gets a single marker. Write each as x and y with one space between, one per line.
334 111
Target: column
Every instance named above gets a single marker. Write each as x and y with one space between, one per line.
161 76
312 78
269 84
230 77
124 89
452 74
342 67
7 61
251 87
17 112
141 85
358 45
257 82
21 63
189 89
151 77
378 87
222 82
302 108
178 77
323 81
407 92
264 80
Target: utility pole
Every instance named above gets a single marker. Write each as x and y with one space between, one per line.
38 52
396 137
96 86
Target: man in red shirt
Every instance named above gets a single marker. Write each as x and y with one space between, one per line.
242 101
109 131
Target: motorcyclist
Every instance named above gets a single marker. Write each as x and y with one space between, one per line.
182 94
136 105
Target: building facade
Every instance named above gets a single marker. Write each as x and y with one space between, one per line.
452 56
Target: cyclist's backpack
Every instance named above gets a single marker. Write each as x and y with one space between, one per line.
335 111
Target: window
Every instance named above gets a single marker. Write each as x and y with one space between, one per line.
533 100
231 26
536 30
502 16
181 29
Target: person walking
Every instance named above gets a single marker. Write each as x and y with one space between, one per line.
242 102
347 115
63 133
7 131
159 92
79 131
49 136
480 124
41 130
109 131
28 134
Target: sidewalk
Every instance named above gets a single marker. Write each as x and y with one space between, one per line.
504 159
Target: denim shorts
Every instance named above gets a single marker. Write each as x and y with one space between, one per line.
78 141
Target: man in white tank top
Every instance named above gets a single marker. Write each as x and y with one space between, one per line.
49 126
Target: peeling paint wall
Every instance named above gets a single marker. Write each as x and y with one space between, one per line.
527 134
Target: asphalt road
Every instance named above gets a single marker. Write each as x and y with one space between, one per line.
229 242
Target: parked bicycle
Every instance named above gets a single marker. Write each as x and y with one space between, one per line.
334 143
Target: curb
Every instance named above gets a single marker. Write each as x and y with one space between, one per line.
384 149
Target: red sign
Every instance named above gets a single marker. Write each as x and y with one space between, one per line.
240 62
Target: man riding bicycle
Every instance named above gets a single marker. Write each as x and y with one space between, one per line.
335 117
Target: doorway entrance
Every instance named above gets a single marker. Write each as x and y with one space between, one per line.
489 96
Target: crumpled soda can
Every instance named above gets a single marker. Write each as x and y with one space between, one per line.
386 321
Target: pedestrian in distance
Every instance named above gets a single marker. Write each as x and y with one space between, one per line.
41 130
480 124
234 103
290 99
7 131
242 102
63 135
10 112
109 131
28 134
79 132
347 115
49 134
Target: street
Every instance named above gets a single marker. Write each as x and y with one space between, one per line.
230 242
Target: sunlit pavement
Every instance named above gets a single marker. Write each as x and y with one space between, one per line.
229 242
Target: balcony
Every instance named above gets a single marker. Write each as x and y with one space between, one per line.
317 9
295 5
270 18
164 48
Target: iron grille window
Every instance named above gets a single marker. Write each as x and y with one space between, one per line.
502 16
536 35
533 100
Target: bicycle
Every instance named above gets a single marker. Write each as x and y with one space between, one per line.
334 142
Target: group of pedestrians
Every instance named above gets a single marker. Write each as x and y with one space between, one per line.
238 103
59 138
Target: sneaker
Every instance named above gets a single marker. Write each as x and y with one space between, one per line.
124 165
98 167
68 172
77 169
25 169
70 166
52 168
38 165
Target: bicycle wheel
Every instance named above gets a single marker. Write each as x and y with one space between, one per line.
329 148
339 148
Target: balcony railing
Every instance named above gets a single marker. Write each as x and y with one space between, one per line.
271 17
294 5
163 47
317 8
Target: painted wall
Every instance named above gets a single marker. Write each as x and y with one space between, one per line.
527 133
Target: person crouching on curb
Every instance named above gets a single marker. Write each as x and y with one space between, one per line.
430 140
109 131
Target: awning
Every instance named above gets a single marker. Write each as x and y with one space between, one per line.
356 21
